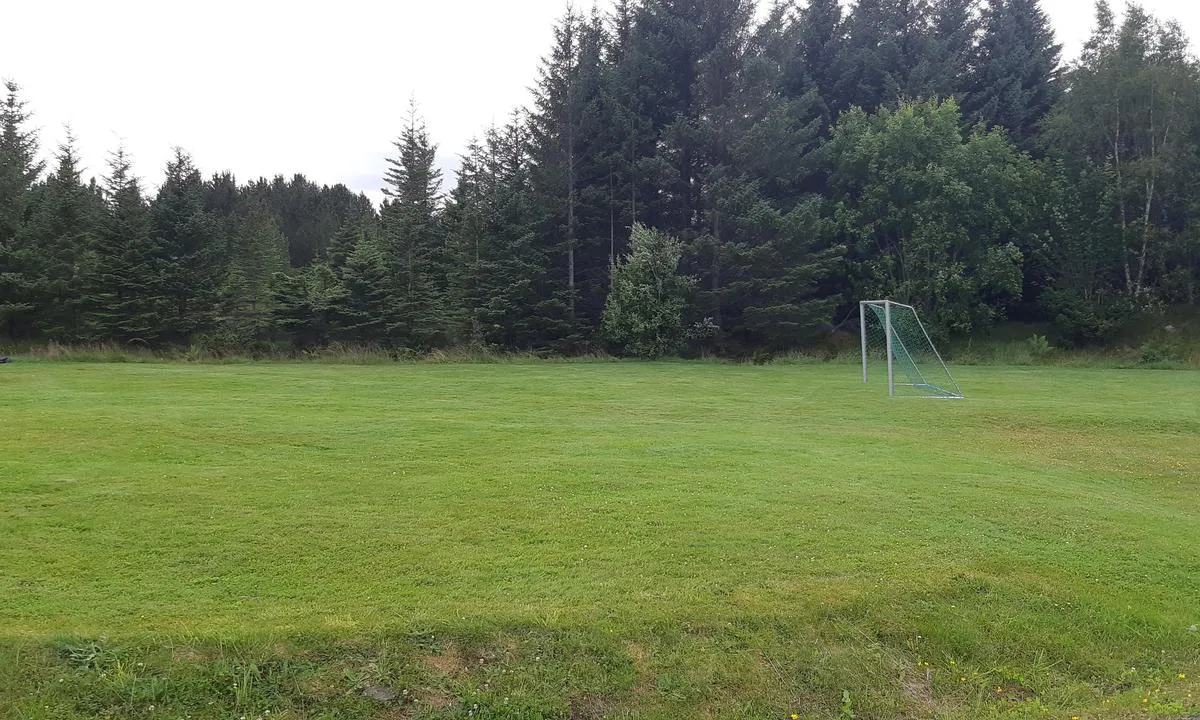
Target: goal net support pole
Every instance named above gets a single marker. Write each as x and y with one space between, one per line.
891 353
862 332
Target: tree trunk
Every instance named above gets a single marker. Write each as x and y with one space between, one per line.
612 224
1121 203
1141 270
716 270
571 221
632 181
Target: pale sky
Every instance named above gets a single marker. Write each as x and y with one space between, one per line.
269 87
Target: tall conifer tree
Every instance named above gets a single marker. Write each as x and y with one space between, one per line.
191 253
412 242
124 298
1015 81
19 170
57 243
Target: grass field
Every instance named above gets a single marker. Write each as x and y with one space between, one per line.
586 540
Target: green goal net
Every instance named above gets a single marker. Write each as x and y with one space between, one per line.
896 346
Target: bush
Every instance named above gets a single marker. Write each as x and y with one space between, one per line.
1079 323
1039 347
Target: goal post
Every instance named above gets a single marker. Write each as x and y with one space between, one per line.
894 339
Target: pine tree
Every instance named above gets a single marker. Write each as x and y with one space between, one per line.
773 265
571 173
817 36
555 129
125 300
57 243
1015 82
257 251
621 21
364 307
465 217
684 59
309 215
412 243
191 253
500 273
19 170
766 250
952 52
307 305
882 60
342 246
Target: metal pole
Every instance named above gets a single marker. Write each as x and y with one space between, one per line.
862 331
887 329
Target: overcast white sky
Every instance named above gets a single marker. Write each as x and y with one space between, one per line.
266 87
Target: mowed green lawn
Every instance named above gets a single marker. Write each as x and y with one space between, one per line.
665 539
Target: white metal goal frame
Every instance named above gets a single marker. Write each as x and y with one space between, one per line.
894 344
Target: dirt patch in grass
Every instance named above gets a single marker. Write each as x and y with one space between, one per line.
644 684
638 654
449 663
919 689
588 707
433 699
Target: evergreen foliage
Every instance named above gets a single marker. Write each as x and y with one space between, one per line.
191 254
413 246
933 151
55 250
257 252
123 299
308 305
1015 80
19 170
644 313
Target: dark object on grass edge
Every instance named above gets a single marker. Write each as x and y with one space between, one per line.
4 360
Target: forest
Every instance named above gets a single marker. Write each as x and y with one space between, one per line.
691 177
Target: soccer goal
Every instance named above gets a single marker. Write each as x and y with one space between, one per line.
895 341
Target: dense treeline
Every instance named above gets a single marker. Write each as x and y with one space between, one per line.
687 177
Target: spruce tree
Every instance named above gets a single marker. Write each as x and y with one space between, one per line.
307 305
684 60
817 37
883 57
571 170
190 253
556 126
412 242
309 215
1015 81
125 299
257 251
57 244
364 307
503 287
952 53
342 245
464 219
19 170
